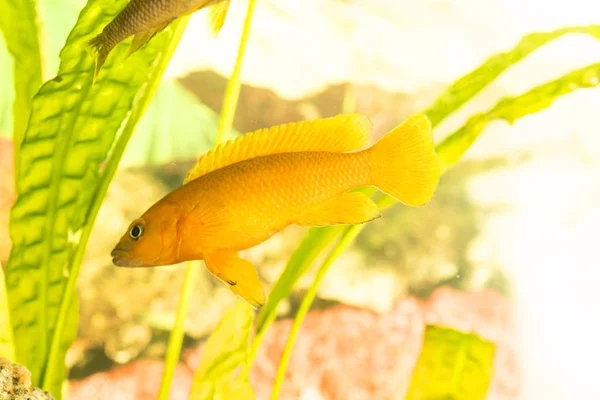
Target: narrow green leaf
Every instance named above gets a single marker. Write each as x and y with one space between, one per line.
7 348
346 239
71 130
451 149
18 22
232 92
318 239
223 372
225 124
453 365
310 248
314 242
469 85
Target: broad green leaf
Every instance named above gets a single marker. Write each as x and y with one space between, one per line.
18 22
469 85
7 91
71 130
7 348
223 372
451 149
453 365
176 127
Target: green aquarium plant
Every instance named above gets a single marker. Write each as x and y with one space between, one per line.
70 137
453 365
449 150
74 140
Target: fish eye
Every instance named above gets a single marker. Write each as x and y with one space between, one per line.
136 231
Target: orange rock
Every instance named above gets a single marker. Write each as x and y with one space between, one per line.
139 380
347 353
343 352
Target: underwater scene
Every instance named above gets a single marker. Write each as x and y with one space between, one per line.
311 200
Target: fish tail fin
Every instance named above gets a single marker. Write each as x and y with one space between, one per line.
405 164
100 48
239 274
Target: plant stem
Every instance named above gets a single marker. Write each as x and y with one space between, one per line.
232 92
176 336
347 238
107 176
225 123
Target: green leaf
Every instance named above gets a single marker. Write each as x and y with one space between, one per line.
225 124
315 241
7 348
223 372
72 128
451 149
176 127
18 22
7 91
452 365
469 85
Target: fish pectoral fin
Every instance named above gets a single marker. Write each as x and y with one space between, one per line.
239 274
216 16
348 208
142 38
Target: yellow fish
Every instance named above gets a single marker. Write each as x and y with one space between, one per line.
145 18
247 189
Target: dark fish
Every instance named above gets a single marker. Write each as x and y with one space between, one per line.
145 18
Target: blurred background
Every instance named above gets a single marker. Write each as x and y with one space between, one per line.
507 248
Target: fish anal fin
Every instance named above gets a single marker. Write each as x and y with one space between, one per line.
142 38
239 274
348 208
216 16
345 132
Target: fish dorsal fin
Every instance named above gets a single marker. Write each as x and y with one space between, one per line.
342 133
216 16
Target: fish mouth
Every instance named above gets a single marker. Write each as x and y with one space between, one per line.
122 259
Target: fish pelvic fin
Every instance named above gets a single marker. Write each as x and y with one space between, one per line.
404 162
142 38
239 275
342 133
216 16
100 48
348 208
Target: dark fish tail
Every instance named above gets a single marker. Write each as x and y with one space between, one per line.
102 47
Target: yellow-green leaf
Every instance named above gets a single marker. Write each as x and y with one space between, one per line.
453 366
223 372
451 149
469 85
7 348
18 22
72 128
